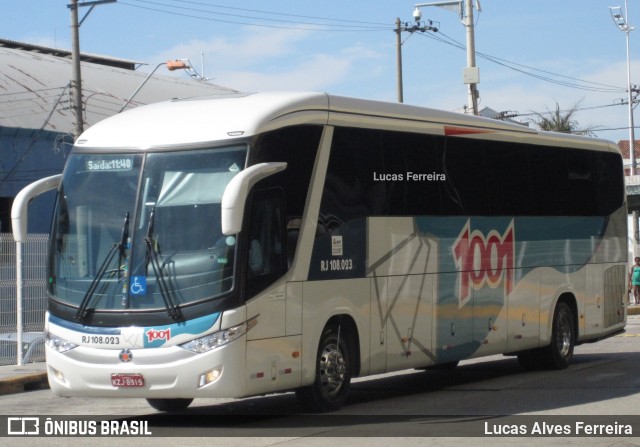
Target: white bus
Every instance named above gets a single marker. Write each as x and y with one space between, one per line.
258 243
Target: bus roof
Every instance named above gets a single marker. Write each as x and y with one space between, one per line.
200 121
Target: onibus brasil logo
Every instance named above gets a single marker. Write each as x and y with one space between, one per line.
484 260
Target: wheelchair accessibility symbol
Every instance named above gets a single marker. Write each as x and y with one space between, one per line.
138 285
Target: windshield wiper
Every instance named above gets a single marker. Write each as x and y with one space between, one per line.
124 244
153 257
83 309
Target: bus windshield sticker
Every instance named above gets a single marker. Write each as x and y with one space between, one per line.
138 285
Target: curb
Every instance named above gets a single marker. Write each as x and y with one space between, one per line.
24 382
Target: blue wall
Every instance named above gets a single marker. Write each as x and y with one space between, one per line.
27 155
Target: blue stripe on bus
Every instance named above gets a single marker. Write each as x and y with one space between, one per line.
154 336
82 328
563 243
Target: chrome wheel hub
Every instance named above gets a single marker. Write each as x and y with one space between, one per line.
332 369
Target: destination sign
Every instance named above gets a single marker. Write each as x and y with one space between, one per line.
112 164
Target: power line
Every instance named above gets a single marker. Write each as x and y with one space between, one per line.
34 139
297 25
579 84
577 109
350 25
606 129
28 96
31 92
386 25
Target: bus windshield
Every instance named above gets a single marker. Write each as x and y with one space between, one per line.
143 232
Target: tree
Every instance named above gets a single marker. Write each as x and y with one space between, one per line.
562 121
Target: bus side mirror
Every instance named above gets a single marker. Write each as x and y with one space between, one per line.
21 204
236 192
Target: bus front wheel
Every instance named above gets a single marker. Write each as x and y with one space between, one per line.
169 404
333 374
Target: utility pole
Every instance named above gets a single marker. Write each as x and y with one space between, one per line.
471 73
419 26
399 60
76 79
621 22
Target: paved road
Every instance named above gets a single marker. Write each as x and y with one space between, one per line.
404 409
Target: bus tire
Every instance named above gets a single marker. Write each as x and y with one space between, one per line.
559 353
169 404
333 373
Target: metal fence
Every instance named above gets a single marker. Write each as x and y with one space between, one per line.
34 298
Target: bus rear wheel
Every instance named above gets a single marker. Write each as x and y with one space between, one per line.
333 374
169 404
558 354
563 337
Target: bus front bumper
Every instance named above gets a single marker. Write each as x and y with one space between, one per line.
170 372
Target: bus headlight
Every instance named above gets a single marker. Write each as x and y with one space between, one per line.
58 344
220 338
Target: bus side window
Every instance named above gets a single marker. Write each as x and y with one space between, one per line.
293 233
266 251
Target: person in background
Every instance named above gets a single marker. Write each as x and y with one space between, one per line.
634 281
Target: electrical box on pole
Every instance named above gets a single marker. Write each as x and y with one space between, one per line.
471 75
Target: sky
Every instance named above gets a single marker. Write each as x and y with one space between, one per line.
531 54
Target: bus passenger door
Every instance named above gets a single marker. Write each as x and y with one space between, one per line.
263 260
271 346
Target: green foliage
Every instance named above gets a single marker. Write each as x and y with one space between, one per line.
562 121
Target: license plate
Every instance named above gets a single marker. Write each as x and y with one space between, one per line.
127 380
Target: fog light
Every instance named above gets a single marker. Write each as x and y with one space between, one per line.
210 376
58 375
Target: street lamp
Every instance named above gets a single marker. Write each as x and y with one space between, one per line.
471 73
621 22
171 66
